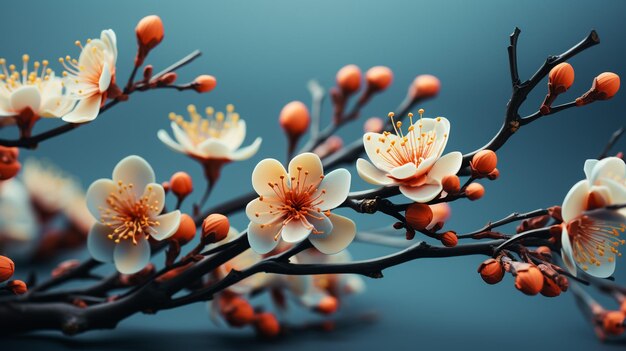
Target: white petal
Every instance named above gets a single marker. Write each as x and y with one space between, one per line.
246 152
309 162
575 201
168 225
99 245
295 231
214 148
566 252
136 171
617 191
334 189
234 136
97 195
259 211
423 193
448 164
371 174
130 258
105 78
322 223
442 130
261 237
589 165
610 167
372 142
267 171
312 297
169 142
405 171
86 110
109 38
344 231
26 96
182 137
155 194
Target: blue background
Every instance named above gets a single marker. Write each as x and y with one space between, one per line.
263 53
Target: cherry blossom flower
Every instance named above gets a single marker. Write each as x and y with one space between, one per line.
295 205
410 160
128 212
28 95
91 78
591 233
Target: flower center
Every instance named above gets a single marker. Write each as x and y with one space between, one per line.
215 125
129 217
295 200
591 237
13 79
413 147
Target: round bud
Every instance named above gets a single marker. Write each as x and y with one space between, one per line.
495 174
7 268
491 271
484 162
149 32
215 227
613 323
441 213
379 77
9 164
204 83
349 79
186 230
181 184
550 288
607 84
266 325
425 86
474 191
168 78
418 216
17 287
451 184
373 125
237 312
561 78
529 279
294 118
544 251
449 239
327 305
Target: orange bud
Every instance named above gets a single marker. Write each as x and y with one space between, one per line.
17 287
349 79
544 250
491 271
623 306
168 78
374 125
294 118
64 268
529 279
181 184
237 311
474 191
7 268
215 227
328 305
613 322
484 162
495 174
186 230
267 325
604 87
204 83
149 32
550 288
441 213
451 184
9 164
449 239
425 86
418 216
379 77
561 78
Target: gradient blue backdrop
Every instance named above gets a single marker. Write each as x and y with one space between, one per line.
263 53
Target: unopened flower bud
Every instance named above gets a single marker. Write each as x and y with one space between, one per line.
168 78
147 73
215 227
266 325
451 184
425 86
493 175
149 32
327 305
528 278
449 239
186 230
561 78
9 164
373 125
349 79
418 216
544 251
613 323
7 268
294 119
491 271
65 267
204 83
379 77
237 311
181 184
483 163
474 191
17 287
550 288
622 306
604 87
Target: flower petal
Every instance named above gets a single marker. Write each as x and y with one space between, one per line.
322 223
99 245
136 171
86 110
169 142
259 211
566 252
374 144
214 148
308 162
267 171
182 137
246 152
344 231
448 164
589 165
423 193
97 195
407 170
26 96
371 174
130 258
155 194
575 201
105 78
234 136
295 231
610 167
334 189
261 236
168 225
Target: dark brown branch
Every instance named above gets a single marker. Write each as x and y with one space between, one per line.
614 138
513 217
